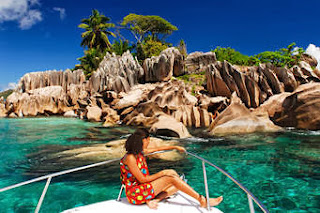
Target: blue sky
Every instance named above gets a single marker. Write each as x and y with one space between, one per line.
38 35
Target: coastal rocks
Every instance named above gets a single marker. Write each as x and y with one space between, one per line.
168 126
254 85
112 150
161 68
311 60
237 119
116 73
2 111
197 61
48 100
94 113
35 80
110 117
301 108
70 114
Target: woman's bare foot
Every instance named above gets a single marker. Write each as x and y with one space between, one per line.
213 201
153 204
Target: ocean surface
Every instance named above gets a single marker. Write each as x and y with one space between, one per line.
281 169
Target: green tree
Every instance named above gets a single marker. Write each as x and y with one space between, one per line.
97 31
231 55
119 47
90 61
141 26
151 48
182 47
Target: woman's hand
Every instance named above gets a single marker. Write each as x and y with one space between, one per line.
180 148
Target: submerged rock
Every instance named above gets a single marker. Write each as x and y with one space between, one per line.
114 149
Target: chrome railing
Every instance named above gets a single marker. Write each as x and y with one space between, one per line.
49 177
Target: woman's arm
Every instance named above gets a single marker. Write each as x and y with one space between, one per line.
131 162
150 150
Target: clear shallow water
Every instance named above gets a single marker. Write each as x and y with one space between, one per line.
282 170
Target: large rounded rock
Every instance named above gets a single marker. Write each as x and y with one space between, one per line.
237 119
168 126
94 113
3 111
198 61
301 108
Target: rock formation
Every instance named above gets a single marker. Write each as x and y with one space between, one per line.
254 85
48 100
298 109
198 61
238 119
161 68
35 80
117 73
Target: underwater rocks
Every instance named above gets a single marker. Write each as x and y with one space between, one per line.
238 119
161 68
112 150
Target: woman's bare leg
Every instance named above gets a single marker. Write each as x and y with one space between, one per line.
164 182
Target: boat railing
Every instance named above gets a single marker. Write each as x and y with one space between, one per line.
49 177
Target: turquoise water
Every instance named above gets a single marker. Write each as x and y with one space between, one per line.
282 170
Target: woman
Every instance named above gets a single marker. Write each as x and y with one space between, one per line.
141 187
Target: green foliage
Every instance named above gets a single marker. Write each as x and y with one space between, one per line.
231 55
283 57
97 31
90 61
141 26
152 48
6 93
120 47
289 56
182 47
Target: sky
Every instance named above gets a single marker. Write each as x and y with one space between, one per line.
39 35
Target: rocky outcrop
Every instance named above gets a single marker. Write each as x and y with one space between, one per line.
311 60
161 68
110 116
300 109
198 61
170 98
254 85
48 100
35 80
238 119
116 73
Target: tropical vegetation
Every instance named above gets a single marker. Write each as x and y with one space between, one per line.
288 56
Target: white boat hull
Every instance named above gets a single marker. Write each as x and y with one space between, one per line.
181 203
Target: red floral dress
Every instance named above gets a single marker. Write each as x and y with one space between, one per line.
137 193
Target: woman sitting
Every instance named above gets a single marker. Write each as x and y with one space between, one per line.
141 187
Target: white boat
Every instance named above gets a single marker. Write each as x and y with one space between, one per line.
180 202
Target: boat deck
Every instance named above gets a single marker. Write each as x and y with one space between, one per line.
180 202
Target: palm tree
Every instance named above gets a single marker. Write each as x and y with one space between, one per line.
96 34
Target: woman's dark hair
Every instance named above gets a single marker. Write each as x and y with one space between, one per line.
134 144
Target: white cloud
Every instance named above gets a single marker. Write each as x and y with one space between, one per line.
11 85
62 12
22 11
315 52
30 19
